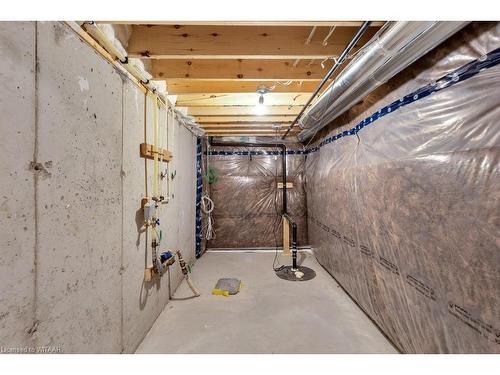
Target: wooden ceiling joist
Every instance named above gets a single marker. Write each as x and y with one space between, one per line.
244 131
244 119
243 126
214 68
240 42
237 69
188 86
242 99
247 23
243 110
245 135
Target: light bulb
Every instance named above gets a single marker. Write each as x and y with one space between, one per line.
260 109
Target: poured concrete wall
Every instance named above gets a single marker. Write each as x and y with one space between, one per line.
17 182
73 249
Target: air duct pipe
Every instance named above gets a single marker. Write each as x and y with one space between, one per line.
393 48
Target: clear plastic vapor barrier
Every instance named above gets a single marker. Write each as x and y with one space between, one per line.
404 210
246 188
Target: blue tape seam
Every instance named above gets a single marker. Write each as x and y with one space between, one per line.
461 74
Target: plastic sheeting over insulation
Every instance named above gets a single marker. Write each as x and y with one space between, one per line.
248 202
404 212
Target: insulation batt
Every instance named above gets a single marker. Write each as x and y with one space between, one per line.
248 204
405 215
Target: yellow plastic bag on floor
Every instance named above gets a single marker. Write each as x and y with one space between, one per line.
227 287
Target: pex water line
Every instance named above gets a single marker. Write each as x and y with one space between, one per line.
155 146
184 270
165 137
161 146
155 240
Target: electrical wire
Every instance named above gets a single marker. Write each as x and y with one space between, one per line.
325 41
309 38
207 206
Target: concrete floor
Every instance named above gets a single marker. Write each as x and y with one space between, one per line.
268 315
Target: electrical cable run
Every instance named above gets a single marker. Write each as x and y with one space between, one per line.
207 206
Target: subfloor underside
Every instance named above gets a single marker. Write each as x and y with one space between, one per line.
268 315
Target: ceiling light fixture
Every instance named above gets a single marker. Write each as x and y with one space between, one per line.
260 108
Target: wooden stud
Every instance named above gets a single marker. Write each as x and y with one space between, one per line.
289 185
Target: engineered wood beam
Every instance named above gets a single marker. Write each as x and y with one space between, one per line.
243 42
188 86
243 119
238 69
243 110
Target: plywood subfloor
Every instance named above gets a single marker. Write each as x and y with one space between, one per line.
269 315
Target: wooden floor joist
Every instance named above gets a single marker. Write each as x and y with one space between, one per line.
240 42
188 86
277 136
246 131
238 69
247 23
212 127
215 68
219 120
271 99
271 110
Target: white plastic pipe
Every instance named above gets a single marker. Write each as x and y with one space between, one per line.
393 48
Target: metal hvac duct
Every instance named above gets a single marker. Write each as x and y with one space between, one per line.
393 48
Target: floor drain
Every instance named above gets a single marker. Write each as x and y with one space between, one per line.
286 273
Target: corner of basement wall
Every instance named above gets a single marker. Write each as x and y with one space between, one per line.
73 250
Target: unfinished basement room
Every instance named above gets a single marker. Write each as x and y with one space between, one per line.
266 185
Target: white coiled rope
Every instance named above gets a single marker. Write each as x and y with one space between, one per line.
207 206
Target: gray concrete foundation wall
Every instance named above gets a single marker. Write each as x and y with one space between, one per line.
73 251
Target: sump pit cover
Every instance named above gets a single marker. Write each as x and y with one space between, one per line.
286 273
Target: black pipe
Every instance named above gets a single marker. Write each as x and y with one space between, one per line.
332 70
294 240
283 159
285 212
